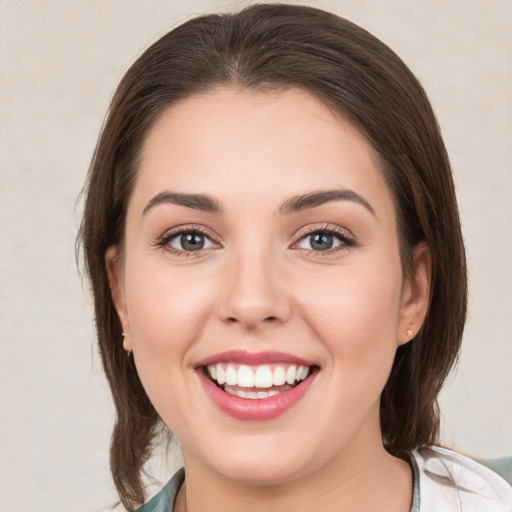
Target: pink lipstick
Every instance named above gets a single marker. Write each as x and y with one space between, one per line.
256 386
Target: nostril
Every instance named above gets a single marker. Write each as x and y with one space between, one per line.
268 319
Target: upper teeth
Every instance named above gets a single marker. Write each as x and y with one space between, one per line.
264 376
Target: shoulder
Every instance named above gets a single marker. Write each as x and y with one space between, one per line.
449 482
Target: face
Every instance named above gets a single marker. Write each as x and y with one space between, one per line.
261 287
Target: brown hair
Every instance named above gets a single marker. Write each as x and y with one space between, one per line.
268 47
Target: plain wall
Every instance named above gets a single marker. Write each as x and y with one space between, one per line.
60 61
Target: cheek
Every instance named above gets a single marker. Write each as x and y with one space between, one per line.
355 312
167 316
167 313
164 306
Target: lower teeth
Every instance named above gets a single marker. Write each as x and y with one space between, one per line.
254 395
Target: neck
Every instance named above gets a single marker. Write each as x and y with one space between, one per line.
371 481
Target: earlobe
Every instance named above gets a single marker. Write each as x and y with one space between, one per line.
116 289
416 294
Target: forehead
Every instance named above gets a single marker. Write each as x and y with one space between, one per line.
257 145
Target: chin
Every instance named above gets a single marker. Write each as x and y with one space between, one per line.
262 460
260 472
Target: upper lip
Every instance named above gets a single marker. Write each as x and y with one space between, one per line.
254 358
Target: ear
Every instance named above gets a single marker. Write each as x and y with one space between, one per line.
114 272
415 295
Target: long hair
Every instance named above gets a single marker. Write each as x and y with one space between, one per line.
276 47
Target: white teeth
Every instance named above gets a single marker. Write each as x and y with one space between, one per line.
263 377
252 395
245 376
242 394
231 375
291 374
279 376
304 371
221 378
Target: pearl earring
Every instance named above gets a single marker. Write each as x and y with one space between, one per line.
128 352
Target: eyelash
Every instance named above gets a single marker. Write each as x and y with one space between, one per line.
346 239
167 238
344 236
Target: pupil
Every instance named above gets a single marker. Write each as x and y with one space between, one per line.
192 241
321 241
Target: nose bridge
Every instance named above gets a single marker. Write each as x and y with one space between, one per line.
254 291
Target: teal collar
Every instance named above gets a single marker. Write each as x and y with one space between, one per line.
164 500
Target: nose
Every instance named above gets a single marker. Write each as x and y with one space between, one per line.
254 292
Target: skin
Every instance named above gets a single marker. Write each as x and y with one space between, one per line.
259 286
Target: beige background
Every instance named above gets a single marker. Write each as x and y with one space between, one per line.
59 63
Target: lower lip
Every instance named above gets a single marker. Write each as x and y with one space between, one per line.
259 409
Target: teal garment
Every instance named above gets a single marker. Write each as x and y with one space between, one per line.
416 484
164 500
502 466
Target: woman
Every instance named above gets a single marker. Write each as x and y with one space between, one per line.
272 236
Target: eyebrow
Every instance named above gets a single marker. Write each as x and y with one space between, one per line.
196 201
312 200
295 204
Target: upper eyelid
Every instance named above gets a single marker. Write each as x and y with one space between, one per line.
309 230
188 228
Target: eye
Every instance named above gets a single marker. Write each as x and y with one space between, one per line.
192 241
325 240
183 241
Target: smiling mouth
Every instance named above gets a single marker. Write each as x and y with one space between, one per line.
258 381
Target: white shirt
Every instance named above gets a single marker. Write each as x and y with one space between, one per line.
449 482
